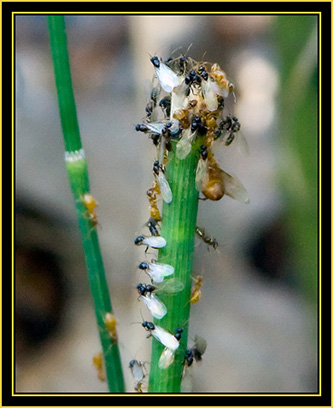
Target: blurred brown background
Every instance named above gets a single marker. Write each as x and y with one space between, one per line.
258 309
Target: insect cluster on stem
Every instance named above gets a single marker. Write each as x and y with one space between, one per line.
186 104
192 105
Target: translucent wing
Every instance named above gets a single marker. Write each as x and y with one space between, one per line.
172 285
179 99
184 146
241 144
167 358
166 192
158 127
155 127
187 379
219 90
200 344
201 176
209 94
152 91
238 141
175 128
234 188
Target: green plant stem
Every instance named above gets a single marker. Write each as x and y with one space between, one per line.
78 175
178 228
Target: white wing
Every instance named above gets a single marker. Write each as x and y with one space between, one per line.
137 372
158 271
154 242
166 338
209 94
179 99
219 90
167 78
156 307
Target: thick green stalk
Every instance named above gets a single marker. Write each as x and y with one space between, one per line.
178 228
78 175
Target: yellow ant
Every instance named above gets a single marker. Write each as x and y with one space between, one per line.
196 290
90 204
110 323
98 363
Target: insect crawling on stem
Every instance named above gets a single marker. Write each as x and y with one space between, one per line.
139 373
153 303
157 271
196 290
153 242
207 239
110 323
98 363
162 182
156 306
90 204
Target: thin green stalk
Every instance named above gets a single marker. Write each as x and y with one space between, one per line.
178 228
78 175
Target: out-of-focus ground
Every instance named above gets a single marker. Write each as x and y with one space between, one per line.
260 329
